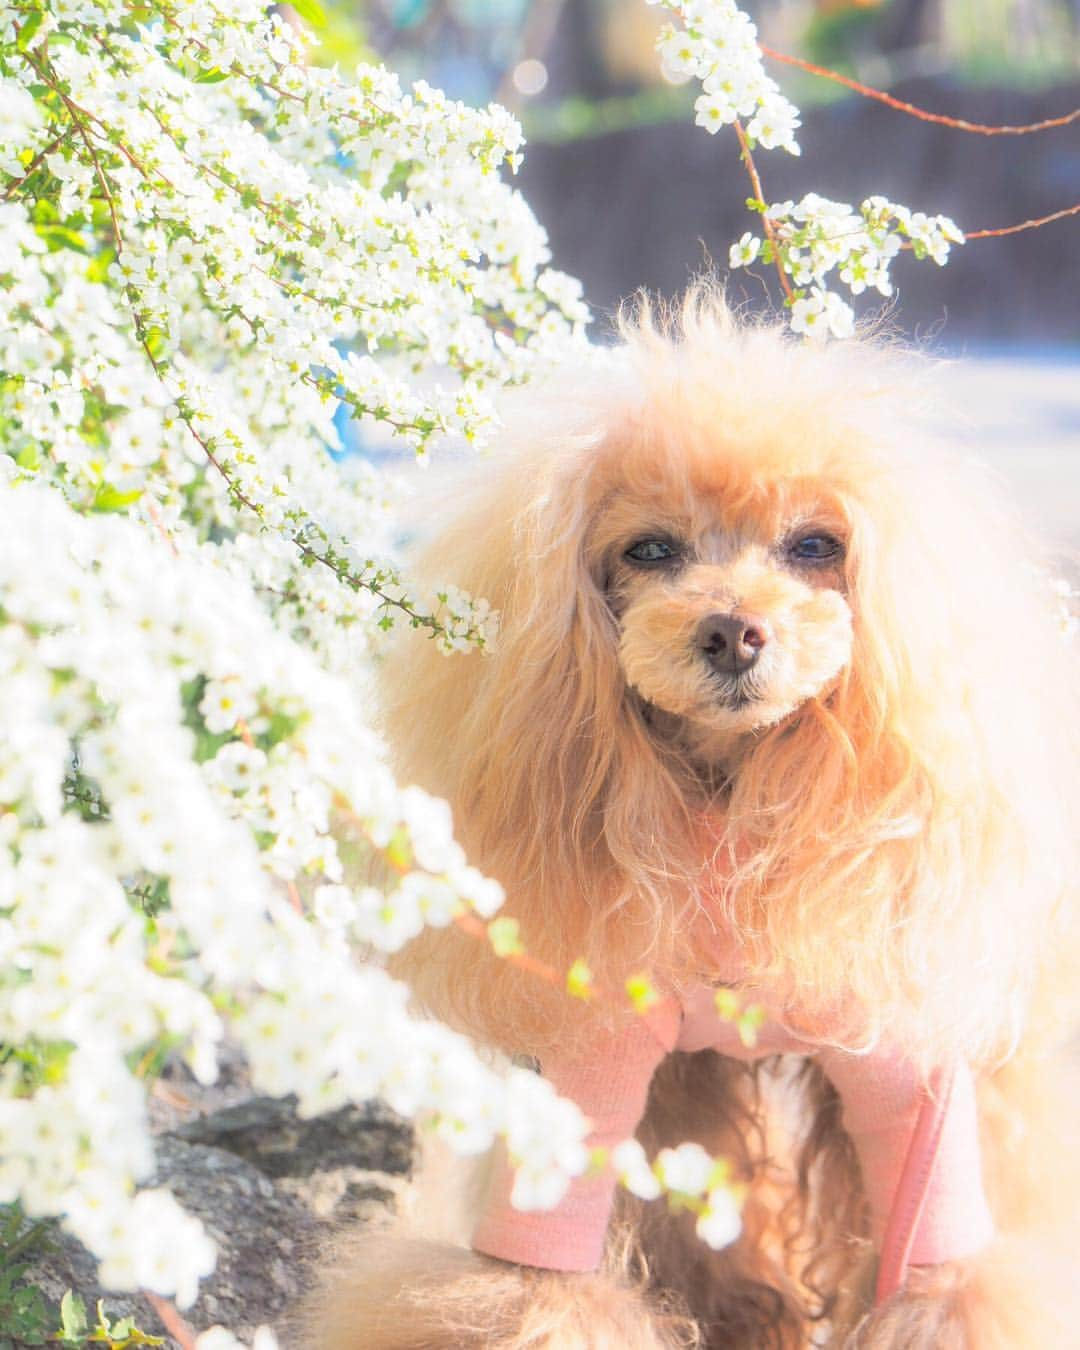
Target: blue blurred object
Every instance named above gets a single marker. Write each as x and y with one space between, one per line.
408 14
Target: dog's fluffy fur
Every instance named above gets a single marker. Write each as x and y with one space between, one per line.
887 785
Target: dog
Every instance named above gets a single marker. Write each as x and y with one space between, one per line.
778 708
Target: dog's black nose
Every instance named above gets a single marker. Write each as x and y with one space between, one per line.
731 643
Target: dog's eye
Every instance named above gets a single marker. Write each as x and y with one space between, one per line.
816 548
651 551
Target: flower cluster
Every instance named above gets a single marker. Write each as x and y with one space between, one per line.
260 232
692 1179
815 236
806 240
211 256
172 765
718 46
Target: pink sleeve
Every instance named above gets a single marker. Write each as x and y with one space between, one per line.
882 1093
610 1082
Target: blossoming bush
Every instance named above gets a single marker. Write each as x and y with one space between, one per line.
203 246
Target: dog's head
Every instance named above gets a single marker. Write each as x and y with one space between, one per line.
728 588
737 588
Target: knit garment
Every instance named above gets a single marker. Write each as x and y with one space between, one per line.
881 1092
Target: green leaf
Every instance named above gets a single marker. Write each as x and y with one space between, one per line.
641 993
398 850
579 980
60 236
212 76
598 1161
29 28
505 937
726 1002
280 727
311 11
109 498
749 1023
720 1174
155 342
43 211
97 269
72 1318
11 1226
208 743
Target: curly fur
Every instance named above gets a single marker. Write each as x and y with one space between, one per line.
888 817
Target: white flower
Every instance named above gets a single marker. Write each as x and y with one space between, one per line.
333 905
686 1169
154 599
236 765
545 1137
162 1249
822 314
633 1170
713 111
225 703
745 251
775 124
721 1222
681 56
219 1338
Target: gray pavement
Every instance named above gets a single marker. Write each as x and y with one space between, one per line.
1022 414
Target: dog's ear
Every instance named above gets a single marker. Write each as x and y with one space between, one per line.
517 737
526 740
914 818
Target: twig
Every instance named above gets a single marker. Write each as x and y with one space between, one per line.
957 123
14 186
759 195
76 114
171 1320
469 923
1024 224
155 515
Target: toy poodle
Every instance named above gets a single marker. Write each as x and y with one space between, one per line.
778 710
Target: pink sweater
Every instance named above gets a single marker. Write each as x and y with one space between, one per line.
881 1094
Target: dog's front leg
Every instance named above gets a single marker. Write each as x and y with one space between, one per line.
387 1291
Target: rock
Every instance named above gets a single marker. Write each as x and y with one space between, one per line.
268 1132
269 1188
264 1237
344 1166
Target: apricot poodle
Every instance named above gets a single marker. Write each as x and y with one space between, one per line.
779 706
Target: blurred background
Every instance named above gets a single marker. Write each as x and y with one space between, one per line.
633 194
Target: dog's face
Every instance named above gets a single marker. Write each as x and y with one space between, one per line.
729 590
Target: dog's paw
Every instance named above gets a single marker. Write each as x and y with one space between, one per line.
388 1292
1017 1295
